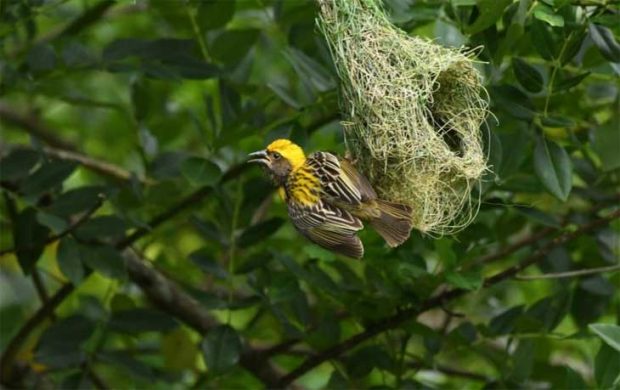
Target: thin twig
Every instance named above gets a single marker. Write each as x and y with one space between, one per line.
569 274
83 218
10 352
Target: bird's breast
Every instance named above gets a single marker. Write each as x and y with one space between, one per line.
303 187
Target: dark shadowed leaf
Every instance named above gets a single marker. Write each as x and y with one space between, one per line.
232 45
203 258
48 176
605 41
200 171
78 200
569 82
214 14
259 232
29 238
513 101
504 323
56 224
365 359
59 345
221 349
542 40
141 320
108 227
69 261
105 260
607 367
41 58
17 164
126 361
553 168
527 75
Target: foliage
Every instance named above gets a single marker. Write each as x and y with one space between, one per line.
138 250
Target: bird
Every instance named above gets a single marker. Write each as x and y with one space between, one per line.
328 198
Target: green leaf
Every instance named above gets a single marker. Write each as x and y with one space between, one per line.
605 143
29 238
231 46
203 258
570 82
542 40
141 320
41 58
69 260
553 167
607 367
545 13
362 361
250 263
48 176
77 200
513 101
200 171
214 14
527 75
490 11
108 227
465 280
259 232
604 39
179 350
60 344
18 164
310 71
126 361
221 349
105 260
557 121
523 360
609 333
504 322
55 223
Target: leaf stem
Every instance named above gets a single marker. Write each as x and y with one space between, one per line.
570 274
198 33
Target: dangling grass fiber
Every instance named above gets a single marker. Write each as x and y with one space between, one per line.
414 111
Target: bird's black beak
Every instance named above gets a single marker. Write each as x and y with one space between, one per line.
259 157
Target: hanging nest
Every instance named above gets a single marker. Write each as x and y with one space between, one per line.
414 111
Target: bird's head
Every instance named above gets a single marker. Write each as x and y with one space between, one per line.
280 158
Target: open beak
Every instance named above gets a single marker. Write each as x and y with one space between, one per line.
259 157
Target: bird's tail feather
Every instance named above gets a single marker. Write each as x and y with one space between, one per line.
394 222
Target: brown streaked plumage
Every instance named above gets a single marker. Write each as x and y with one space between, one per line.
328 199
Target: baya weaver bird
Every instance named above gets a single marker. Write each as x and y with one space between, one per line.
327 199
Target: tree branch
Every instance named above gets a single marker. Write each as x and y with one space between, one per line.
34 127
570 274
437 301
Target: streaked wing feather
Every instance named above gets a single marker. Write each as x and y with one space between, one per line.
340 181
346 244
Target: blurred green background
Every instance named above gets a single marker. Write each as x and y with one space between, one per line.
139 251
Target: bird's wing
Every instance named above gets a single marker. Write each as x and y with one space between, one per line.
340 181
328 226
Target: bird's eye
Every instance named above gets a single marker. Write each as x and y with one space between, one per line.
276 155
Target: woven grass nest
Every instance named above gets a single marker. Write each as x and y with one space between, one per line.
413 110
